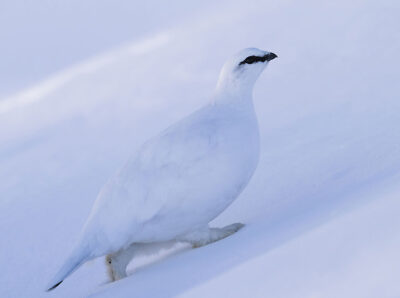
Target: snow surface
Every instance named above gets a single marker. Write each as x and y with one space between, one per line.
322 209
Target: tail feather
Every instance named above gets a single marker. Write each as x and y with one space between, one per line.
79 256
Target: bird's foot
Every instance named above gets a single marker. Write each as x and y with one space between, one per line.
206 236
117 262
233 228
114 269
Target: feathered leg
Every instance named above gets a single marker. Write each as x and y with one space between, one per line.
117 262
208 235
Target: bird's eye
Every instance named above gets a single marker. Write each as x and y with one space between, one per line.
251 60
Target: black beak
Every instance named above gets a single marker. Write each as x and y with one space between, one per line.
270 56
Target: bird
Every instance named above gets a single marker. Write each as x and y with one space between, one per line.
181 179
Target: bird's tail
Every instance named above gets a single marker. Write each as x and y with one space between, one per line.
79 256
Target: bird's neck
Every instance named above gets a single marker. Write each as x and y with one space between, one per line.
232 89
234 96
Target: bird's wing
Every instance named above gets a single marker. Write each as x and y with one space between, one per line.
166 166
182 145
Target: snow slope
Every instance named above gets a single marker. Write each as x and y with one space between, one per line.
354 255
321 210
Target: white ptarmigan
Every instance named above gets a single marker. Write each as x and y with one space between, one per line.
181 179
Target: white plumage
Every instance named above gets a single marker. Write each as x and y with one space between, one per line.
181 179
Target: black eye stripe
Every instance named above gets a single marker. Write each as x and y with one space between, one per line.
253 59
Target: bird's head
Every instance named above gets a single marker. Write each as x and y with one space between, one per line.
241 71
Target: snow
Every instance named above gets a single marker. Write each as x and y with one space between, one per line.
355 247
321 210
